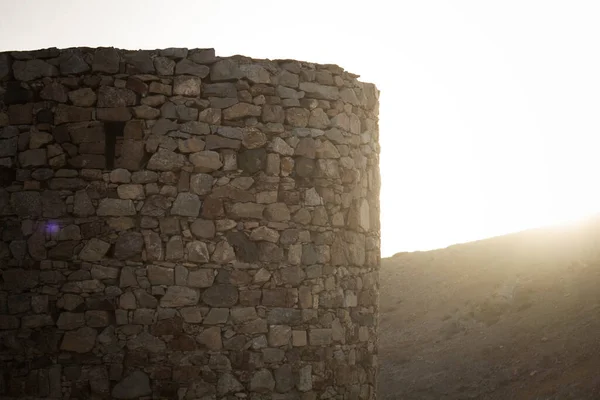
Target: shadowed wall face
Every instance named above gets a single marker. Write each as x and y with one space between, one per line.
179 225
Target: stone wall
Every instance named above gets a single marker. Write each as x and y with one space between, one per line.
177 225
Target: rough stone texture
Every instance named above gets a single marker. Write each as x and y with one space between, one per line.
231 249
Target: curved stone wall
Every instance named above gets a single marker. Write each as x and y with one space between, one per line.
177 225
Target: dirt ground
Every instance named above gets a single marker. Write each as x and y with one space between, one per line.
512 317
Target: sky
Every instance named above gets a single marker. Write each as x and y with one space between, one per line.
489 111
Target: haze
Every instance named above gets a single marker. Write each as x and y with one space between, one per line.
488 117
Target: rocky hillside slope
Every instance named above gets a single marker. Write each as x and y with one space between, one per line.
512 317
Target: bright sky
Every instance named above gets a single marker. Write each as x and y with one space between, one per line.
489 109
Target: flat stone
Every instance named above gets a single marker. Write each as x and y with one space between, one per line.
115 114
264 233
201 278
64 114
179 296
211 338
160 275
33 158
134 385
115 207
128 245
203 228
141 60
206 161
246 210
242 110
225 70
279 335
94 250
318 91
84 97
81 340
33 69
191 315
106 60
130 192
188 67
166 160
220 296
26 204
217 316
187 205
304 382
191 145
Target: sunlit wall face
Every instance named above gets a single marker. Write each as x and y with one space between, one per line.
488 109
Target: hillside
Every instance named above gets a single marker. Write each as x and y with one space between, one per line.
511 317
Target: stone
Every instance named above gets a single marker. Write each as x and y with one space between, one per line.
83 206
262 381
191 315
33 158
70 232
53 206
243 314
115 208
54 91
166 160
186 85
320 337
164 66
81 340
224 253
130 192
153 244
241 110
99 381
160 275
192 145
94 250
134 385
220 296
84 97
225 70
264 233
128 245
279 335
284 378
299 338
279 146
109 96
33 69
246 210
217 316
179 296
253 138
228 384
277 212
187 205
26 204
197 251
304 382
206 161
174 248
106 60
188 67
141 61
211 338
201 278
202 228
